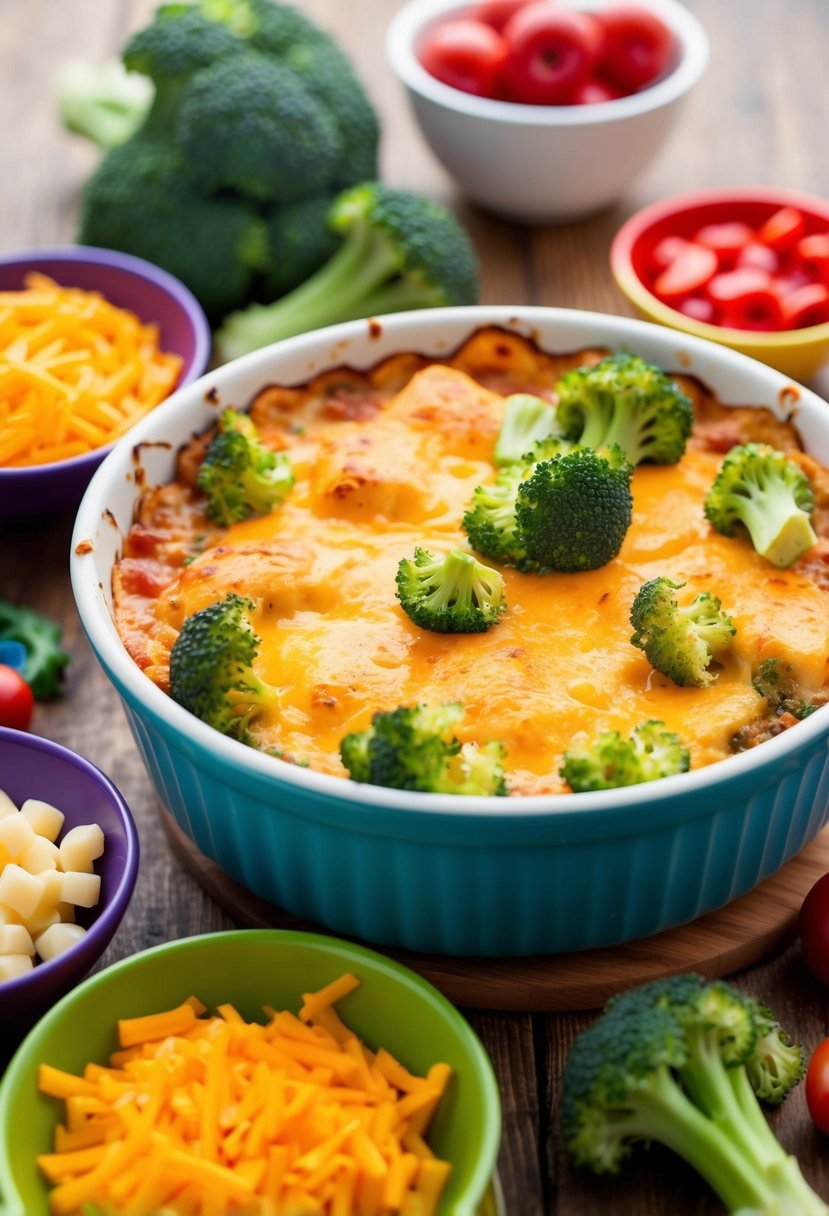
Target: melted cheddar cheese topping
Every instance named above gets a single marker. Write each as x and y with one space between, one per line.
558 665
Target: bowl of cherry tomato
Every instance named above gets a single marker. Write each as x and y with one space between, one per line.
744 266
545 111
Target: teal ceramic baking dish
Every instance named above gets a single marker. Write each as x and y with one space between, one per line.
462 876
392 1008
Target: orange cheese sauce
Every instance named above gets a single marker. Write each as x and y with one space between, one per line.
321 569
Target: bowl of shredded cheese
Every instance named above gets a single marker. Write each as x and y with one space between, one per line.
258 1072
90 341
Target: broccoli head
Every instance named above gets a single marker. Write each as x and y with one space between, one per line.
526 421
681 642
625 400
759 489
298 242
610 760
141 201
103 102
211 668
45 662
414 748
568 513
239 475
672 1062
398 251
452 593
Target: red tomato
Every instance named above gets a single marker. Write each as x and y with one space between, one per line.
746 299
496 12
593 92
814 929
807 305
783 229
466 55
16 699
726 239
817 1086
550 52
636 46
688 272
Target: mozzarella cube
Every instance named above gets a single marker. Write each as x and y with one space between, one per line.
83 890
44 818
13 965
16 939
16 835
20 890
57 939
81 846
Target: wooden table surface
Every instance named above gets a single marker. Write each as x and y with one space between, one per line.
759 116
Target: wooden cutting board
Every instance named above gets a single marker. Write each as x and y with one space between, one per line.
748 930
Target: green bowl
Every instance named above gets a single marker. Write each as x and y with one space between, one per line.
393 1008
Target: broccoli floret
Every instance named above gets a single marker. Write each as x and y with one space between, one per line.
650 753
526 421
774 680
211 668
775 1064
668 1062
414 748
398 251
681 642
453 593
239 475
140 201
759 488
268 136
299 241
45 662
567 513
625 400
103 102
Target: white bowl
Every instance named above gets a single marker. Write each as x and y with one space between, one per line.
543 164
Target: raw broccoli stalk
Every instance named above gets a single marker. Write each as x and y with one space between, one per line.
759 488
672 1062
625 400
44 666
526 420
399 251
452 593
414 748
609 761
567 513
103 102
211 668
680 641
239 475
774 680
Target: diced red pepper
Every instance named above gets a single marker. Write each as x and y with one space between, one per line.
690 270
726 239
783 229
807 305
667 250
813 251
759 257
746 299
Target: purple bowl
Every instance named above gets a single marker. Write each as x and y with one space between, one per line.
33 767
128 282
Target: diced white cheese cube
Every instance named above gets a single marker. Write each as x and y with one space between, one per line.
40 855
13 965
20 890
81 846
16 939
83 890
44 818
57 939
16 835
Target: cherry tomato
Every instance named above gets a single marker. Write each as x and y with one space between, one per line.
807 305
551 51
465 54
817 1086
496 12
16 699
814 929
636 46
746 299
690 270
726 239
593 92
783 229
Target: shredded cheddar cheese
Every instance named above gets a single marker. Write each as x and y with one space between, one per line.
75 372
217 1116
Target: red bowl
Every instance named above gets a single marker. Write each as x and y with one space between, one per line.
796 352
